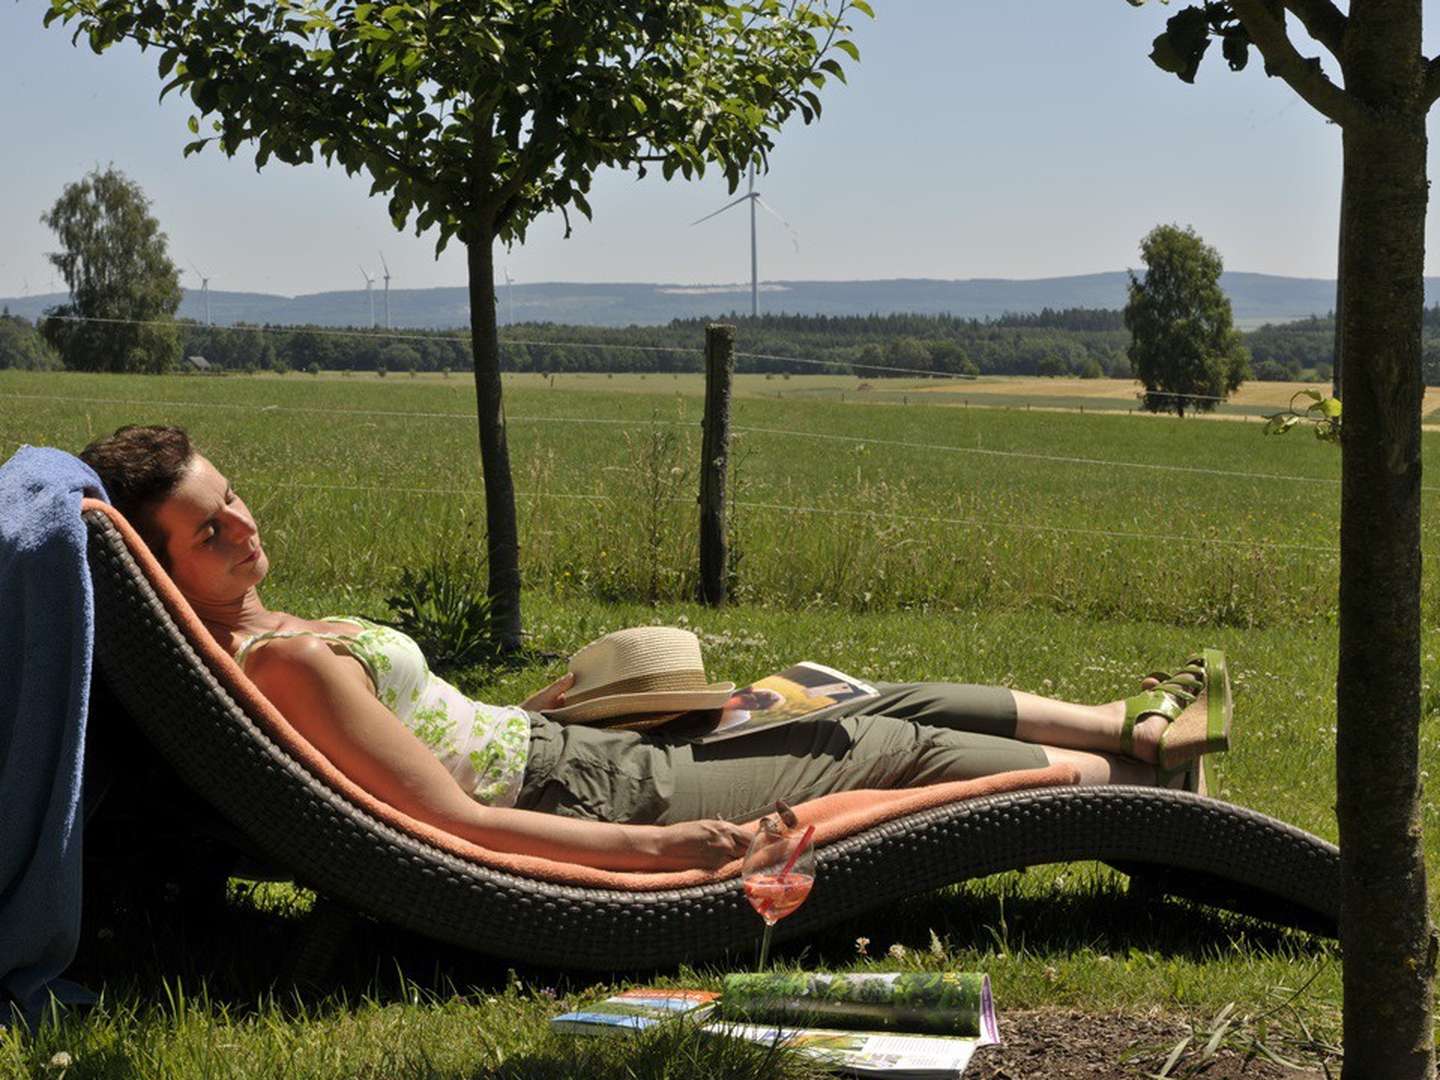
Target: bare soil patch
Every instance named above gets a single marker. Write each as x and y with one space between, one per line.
1063 1044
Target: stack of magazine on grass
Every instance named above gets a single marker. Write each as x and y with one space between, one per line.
806 690
903 1026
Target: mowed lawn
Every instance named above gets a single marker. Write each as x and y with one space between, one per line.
1057 552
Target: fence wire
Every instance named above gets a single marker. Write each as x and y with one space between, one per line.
1023 455
790 508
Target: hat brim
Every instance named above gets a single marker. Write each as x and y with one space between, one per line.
713 696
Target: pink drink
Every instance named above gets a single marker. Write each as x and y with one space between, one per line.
774 896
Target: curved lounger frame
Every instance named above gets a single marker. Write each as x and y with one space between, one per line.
228 744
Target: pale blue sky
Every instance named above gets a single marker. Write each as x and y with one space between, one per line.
977 138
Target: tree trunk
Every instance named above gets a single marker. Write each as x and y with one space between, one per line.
1388 941
1338 366
502 533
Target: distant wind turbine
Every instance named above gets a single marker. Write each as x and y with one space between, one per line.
387 290
370 293
204 290
753 198
510 294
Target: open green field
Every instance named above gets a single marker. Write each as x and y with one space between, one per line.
1057 552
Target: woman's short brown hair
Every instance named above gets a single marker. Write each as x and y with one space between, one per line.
139 467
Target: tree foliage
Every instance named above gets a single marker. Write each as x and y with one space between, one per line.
113 257
1184 346
21 346
475 118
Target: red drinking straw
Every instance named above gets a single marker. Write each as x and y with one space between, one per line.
794 855
790 862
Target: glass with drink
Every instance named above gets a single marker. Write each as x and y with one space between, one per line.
778 873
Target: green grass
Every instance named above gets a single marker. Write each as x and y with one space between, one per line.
1024 583
874 508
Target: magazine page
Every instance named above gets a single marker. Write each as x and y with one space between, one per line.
635 1010
865 1053
804 690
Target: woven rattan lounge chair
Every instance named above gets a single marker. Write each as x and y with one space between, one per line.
226 742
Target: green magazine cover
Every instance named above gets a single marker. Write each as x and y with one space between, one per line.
937 1003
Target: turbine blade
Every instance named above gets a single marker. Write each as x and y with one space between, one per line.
794 236
722 209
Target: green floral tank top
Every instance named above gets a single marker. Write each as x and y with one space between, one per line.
484 746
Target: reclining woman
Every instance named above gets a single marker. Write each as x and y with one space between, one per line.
512 778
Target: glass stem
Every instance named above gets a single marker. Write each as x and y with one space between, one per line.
765 946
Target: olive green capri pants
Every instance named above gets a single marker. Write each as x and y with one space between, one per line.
913 734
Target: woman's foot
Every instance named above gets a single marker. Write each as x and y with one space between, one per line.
1143 743
1163 699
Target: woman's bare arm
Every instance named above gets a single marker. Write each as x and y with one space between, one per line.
327 697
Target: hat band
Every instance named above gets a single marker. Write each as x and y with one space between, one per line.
659 682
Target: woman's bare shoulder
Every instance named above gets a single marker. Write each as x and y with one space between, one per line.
288 657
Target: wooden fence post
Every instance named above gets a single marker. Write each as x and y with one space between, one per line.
714 460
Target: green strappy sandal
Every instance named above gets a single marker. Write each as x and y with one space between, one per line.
1191 775
1175 694
1204 726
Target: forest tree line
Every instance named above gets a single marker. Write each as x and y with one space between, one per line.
1073 342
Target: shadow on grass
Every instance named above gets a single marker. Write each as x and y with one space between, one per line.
241 948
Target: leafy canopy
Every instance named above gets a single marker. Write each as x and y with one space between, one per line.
1187 36
114 258
476 116
1184 346
21 346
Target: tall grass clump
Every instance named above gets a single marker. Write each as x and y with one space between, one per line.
443 605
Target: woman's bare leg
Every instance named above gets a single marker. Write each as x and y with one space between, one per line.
1094 728
1097 768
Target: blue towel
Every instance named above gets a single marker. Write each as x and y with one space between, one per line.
47 630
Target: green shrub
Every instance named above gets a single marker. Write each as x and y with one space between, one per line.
444 607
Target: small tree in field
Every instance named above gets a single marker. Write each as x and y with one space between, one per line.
1380 105
113 257
476 116
1184 346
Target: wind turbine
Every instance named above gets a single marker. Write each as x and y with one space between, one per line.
387 291
370 293
204 290
753 198
510 294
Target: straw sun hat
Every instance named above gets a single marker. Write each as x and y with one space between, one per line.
643 670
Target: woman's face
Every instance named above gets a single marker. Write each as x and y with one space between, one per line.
210 537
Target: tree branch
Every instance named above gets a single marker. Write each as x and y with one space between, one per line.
1432 81
1323 21
1302 74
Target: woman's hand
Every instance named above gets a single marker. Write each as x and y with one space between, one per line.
705 845
552 696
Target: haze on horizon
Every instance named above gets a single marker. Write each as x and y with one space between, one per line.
989 140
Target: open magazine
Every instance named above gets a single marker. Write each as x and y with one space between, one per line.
805 690
901 1026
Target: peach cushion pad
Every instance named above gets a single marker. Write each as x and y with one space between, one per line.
834 816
